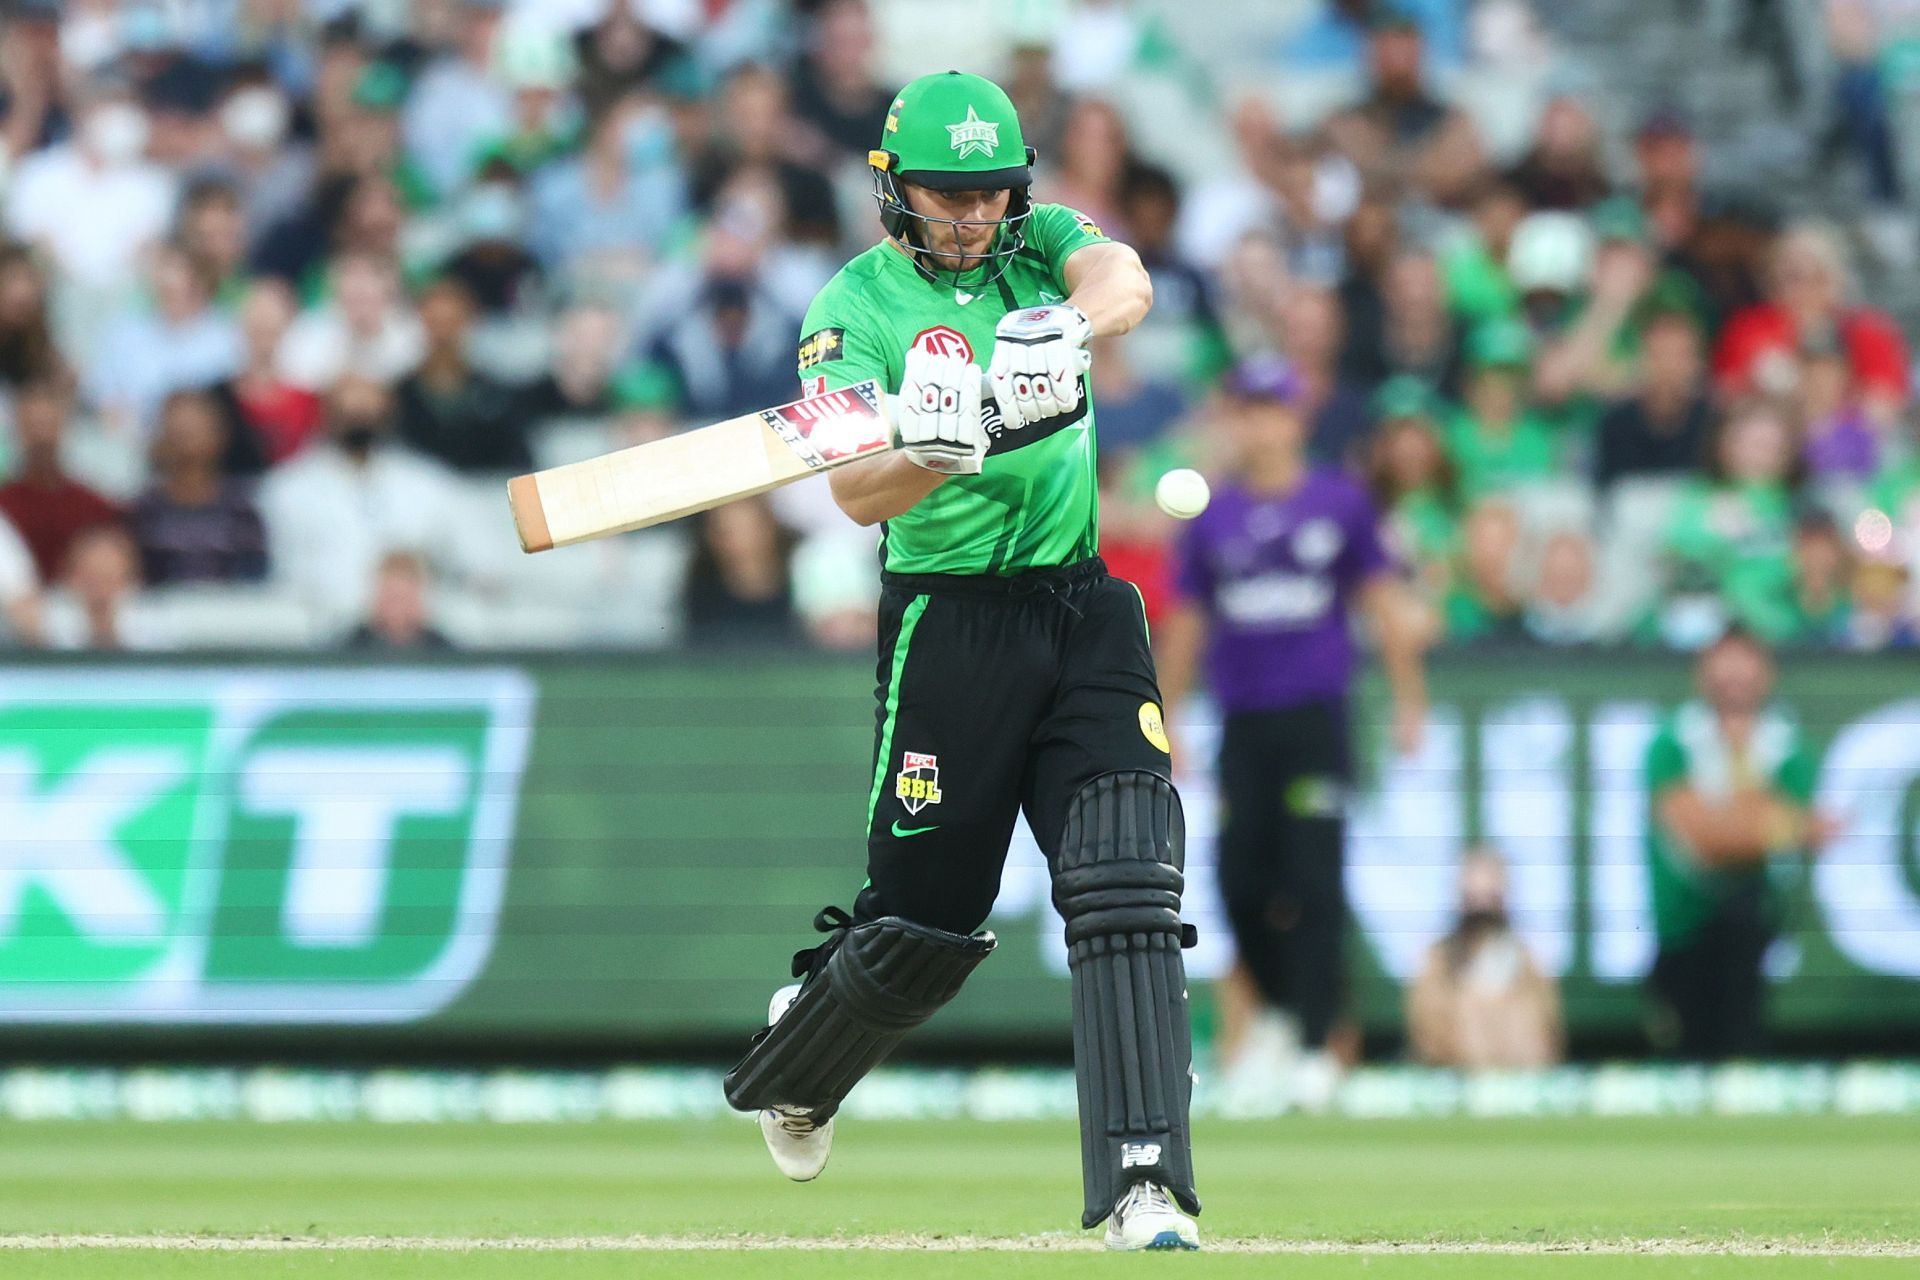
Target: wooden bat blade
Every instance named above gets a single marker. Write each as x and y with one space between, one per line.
652 483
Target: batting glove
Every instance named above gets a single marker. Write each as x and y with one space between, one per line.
1038 357
937 417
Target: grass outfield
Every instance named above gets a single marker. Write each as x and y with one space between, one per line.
1481 1198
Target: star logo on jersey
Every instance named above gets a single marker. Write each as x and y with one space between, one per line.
974 135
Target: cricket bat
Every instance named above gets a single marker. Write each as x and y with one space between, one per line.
650 484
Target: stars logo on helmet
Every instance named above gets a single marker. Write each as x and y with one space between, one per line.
974 134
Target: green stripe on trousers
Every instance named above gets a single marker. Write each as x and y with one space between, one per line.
908 621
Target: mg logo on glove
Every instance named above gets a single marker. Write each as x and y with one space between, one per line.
943 340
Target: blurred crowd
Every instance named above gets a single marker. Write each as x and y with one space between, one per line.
289 286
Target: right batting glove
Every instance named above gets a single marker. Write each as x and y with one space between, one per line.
937 418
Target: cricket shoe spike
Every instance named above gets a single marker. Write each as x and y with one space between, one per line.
1145 1217
799 1147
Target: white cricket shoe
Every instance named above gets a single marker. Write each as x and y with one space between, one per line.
799 1147
1147 1218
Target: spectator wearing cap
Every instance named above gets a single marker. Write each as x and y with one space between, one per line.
270 171
1267 579
1497 440
1660 430
538 66
1414 485
148 352
46 505
1809 296
1563 168
834 88
368 139
1401 135
603 214
195 523
457 101
1729 815
1733 527
493 260
1591 352
93 203
449 410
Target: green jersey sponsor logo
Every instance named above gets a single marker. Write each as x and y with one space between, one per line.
203 845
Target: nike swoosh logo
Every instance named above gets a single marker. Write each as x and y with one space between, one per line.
1050 297
899 830
963 298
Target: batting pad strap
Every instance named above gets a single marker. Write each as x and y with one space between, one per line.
1117 884
876 982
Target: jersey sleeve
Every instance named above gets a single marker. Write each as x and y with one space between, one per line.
1363 552
1056 232
839 347
1192 579
1666 761
1796 774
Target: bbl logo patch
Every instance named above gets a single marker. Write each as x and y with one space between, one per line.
1154 726
919 782
1088 225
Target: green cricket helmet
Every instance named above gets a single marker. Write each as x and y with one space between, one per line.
953 132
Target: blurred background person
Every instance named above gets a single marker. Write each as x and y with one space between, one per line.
43 501
398 618
99 603
739 584
1730 816
449 410
1480 1001
195 524
1267 579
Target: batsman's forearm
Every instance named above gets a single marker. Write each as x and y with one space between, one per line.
1110 286
881 488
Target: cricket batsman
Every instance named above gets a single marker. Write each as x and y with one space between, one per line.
1014 673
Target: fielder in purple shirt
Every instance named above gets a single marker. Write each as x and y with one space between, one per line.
1270 576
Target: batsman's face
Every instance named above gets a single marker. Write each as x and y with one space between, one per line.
964 246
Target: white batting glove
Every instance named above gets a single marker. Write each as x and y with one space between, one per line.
1038 357
937 416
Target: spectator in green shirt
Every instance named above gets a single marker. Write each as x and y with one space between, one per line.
1822 582
1479 289
1487 602
1413 483
1734 527
1498 442
1729 814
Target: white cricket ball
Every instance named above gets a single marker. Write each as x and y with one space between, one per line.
1182 493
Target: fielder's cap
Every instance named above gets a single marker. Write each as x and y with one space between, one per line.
955 132
1500 344
1267 378
1403 396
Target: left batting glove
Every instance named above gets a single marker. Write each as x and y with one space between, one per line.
1038 357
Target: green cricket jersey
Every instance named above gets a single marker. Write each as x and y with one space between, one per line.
1032 505
1689 750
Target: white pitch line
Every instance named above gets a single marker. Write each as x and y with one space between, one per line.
956 1244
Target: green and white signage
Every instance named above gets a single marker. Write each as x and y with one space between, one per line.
253 845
